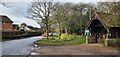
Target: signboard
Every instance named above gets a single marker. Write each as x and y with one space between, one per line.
87 32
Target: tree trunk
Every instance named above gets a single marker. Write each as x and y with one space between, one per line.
47 28
47 17
47 31
52 35
66 31
59 32
81 22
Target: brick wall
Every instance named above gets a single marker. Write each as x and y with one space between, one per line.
7 26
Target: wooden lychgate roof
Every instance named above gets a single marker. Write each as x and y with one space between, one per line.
108 20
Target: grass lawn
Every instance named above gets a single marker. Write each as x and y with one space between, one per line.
65 40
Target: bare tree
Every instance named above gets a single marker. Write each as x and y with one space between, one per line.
41 10
5 4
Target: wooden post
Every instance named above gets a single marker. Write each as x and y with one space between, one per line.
87 40
106 40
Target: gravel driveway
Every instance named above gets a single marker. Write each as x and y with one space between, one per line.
83 49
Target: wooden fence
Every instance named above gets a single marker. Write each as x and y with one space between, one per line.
18 34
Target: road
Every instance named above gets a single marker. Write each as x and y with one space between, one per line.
19 46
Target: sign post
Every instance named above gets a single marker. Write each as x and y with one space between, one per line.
87 32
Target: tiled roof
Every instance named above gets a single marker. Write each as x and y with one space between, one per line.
109 19
4 18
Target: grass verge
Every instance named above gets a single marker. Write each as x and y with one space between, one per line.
65 40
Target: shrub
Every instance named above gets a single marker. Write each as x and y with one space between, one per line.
66 36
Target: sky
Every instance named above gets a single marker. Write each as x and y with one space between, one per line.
18 9
17 13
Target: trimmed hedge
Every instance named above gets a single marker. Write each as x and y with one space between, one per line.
18 34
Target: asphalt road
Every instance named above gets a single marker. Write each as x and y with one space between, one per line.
19 47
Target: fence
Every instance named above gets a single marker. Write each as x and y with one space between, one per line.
18 34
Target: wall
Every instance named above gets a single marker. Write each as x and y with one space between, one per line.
7 26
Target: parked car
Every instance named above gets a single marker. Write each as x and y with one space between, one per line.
45 34
55 34
50 34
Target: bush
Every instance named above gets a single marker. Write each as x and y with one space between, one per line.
67 37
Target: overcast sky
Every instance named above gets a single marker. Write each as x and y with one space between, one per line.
18 10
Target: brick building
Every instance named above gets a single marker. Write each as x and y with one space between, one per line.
6 23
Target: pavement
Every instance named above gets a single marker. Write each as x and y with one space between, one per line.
19 46
81 49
